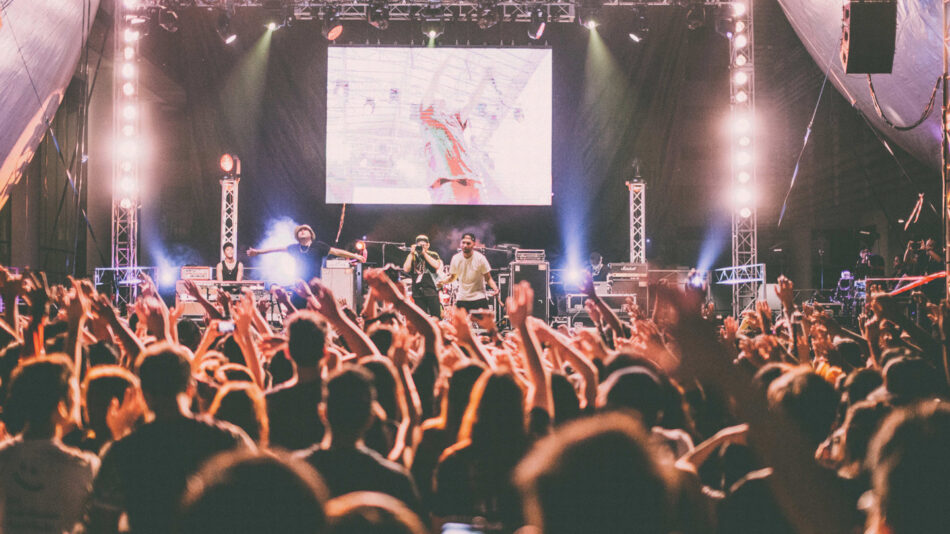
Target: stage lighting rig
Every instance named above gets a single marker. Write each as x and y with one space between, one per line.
433 20
332 25
223 27
377 15
587 13
695 15
488 14
433 29
539 20
642 25
168 20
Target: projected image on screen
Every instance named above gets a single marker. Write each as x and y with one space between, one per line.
439 126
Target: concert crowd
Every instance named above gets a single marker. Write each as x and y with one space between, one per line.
393 421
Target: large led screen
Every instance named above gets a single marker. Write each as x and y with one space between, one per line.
439 125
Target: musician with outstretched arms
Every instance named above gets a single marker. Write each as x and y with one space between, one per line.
423 265
308 252
473 272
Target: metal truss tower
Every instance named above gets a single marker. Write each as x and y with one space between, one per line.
229 208
125 171
638 220
745 289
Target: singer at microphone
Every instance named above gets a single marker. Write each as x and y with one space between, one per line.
423 265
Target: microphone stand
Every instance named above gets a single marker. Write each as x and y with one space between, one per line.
383 247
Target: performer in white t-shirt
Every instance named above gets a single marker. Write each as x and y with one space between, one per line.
473 272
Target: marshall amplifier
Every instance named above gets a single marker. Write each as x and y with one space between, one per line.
632 269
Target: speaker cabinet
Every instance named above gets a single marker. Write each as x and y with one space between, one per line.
345 283
538 275
868 35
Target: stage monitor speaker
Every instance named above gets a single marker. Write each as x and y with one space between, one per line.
538 275
868 35
346 284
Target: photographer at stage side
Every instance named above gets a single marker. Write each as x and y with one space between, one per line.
423 266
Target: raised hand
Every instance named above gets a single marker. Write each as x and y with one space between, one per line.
77 305
461 324
399 349
520 304
383 287
730 329
11 286
785 291
324 299
37 294
587 285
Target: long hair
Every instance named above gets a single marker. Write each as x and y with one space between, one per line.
389 390
242 404
495 417
456 399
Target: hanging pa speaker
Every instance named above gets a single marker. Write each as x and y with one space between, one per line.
868 35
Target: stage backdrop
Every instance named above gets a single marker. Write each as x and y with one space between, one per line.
439 125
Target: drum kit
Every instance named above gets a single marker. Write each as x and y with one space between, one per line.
851 293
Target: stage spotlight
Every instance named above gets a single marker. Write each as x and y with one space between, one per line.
126 203
128 185
587 16
131 36
696 280
743 158
745 213
128 89
539 20
128 52
226 162
129 112
332 27
741 60
128 130
271 26
745 140
167 276
433 29
223 27
743 196
741 40
695 16
360 246
741 77
574 276
744 177
378 15
168 20
128 70
642 27
128 149
739 8
741 124
742 97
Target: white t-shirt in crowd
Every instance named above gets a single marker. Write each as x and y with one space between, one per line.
471 273
44 485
